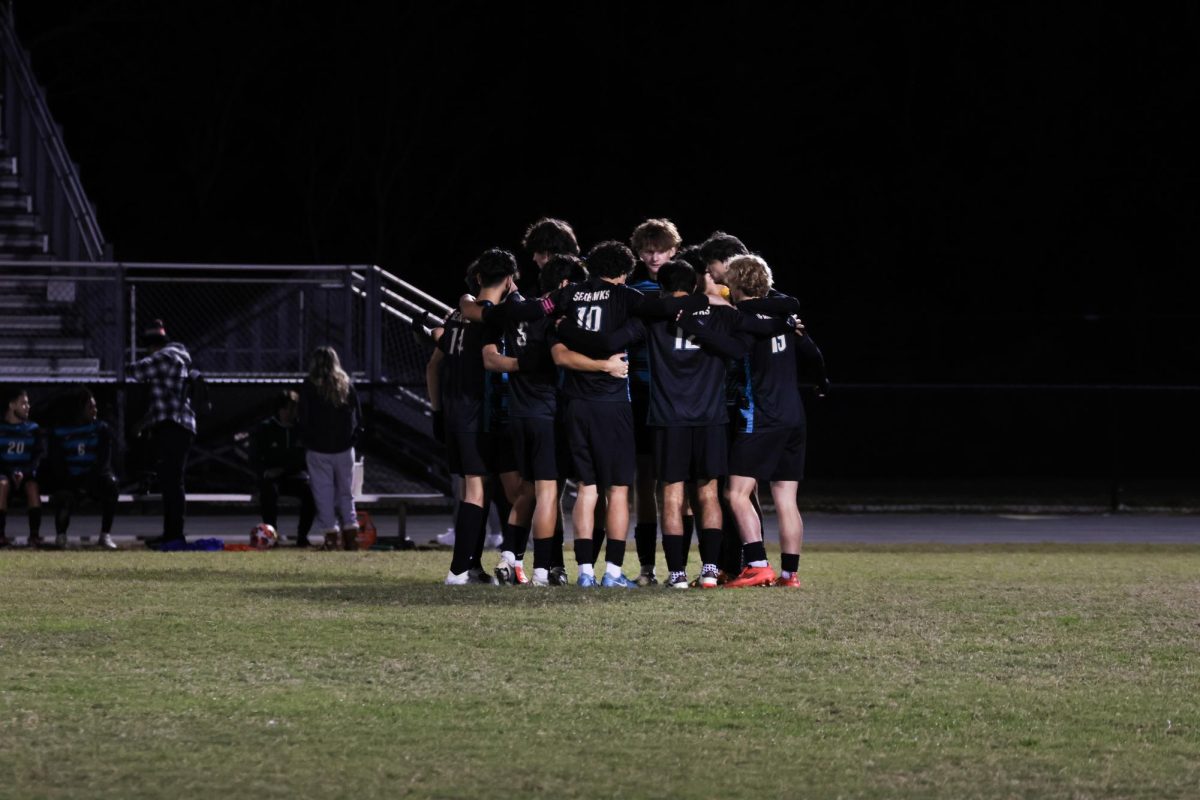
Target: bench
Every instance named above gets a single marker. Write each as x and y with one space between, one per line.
398 501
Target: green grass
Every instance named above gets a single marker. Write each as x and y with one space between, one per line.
999 671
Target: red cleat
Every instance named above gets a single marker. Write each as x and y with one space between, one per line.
788 583
519 578
752 576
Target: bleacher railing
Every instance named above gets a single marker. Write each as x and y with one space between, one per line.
44 168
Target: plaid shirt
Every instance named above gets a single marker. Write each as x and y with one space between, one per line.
167 371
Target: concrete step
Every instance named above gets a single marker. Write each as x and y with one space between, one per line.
8 165
9 182
50 365
17 202
24 242
42 345
31 322
18 222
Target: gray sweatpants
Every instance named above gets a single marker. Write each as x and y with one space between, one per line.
329 476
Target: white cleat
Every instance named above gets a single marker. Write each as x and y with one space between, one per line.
106 542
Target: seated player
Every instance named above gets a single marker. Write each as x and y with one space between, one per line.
278 459
21 451
770 436
80 466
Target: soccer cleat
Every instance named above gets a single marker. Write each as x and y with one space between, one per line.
477 575
35 541
458 579
106 542
586 581
558 576
504 574
788 583
676 580
446 539
752 576
333 541
619 582
519 577
646 577
60 541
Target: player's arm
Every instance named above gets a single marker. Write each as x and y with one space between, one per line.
763 325
433 380
495 361
510 311
775 303
104 450
615 365
811 363
726 345
39 452
598 342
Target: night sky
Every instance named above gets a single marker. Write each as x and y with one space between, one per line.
956 193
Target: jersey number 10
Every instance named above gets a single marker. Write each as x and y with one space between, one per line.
588 317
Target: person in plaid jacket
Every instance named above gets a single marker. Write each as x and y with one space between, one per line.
170 421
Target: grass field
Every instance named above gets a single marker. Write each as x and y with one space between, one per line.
991 671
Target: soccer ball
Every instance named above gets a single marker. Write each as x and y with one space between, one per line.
263 536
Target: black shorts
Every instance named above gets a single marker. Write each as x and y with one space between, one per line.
562 444
535 448
691 454
468 452
776 455
643 434
501 457
600 434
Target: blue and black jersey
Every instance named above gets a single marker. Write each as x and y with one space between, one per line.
639 352
21 448
80 450
687 377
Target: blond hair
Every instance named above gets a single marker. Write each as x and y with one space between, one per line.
327 376
750 274
659 235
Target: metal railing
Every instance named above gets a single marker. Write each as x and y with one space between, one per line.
44 168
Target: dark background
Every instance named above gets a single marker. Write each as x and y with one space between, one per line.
959 194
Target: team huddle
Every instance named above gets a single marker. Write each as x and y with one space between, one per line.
678 370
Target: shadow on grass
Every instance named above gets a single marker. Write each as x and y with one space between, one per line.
412 593
194 575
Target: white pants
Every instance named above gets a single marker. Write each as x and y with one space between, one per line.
329 476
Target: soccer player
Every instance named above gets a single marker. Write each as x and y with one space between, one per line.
21 451
278 459
599 420
455 378
655 242
80 464
769 443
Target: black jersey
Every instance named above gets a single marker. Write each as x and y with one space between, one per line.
687 378
764 373
532 391
462 378
598 306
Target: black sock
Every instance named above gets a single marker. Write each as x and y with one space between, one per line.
710 546
790 562
755 551
597 544
556 555
614 552
543 553
476 554
62 519
3 521
645 537
583 551
518 541
673 550
467 527
689 525
35 522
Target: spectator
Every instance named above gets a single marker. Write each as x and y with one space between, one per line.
170 421
330 420
277 456
21 450
80 465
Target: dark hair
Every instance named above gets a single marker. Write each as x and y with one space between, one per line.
722 247
285 399
155 333
492 267
677 276
549 235
610 260
561 268
79 399
11 392
690 255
